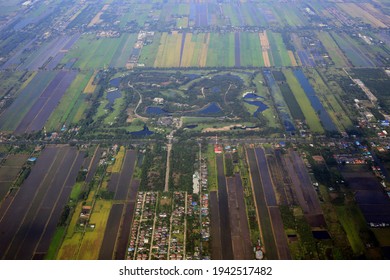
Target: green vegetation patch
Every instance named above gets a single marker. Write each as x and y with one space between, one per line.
69 102
311 117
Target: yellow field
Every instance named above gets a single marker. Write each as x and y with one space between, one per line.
188 51
90 246
90 88
267 62
168 54
292 58
264 40
265 47
116 168
203 53
71 243
70 247
355 11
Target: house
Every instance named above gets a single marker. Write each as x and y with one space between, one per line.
218 149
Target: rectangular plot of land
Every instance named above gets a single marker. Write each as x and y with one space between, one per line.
37 116
4 187
371 197
31 233
125 175
124 233
242 247
111 233
216 248
39 202
13 115
8 173
226 238
280 235
265 177
14 215
262 209
16 160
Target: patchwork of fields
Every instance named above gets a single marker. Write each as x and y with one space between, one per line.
297 93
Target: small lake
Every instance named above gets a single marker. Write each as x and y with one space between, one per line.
154 110
251 95
260 106
191 126
112 96
212 108
142 133
115 82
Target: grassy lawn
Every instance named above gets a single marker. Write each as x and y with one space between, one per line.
278 49
221 50
122 53
333 50
353 222
92 52
149 52
212 169
114 114
250 50
55 243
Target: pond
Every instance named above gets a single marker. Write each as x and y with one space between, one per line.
191 126
142 133
212 108
115 82
251 95
260 106
112 96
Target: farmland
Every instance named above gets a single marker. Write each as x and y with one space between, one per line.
50 195
171 130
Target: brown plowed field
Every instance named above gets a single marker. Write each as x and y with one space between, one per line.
121 246
277 175
304 190
125 175
265 177
280 235
111 232
216 248
93 165
226 237
242 247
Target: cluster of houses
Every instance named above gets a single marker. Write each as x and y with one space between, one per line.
142 228
161 237
176 246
